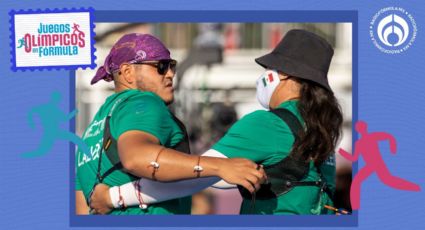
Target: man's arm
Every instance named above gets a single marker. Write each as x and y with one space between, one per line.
104 198
138 149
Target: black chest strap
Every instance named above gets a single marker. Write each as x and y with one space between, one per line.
288 173
290 119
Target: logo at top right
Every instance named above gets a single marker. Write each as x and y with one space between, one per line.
393 30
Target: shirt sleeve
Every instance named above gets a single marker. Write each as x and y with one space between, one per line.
260 136
146 113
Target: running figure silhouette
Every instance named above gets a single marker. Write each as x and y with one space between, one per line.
368 147
51 116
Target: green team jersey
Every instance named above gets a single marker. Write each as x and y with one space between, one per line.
264 138
143 111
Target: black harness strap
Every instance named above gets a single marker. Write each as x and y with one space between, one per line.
107 141
290 119
113 158
289 172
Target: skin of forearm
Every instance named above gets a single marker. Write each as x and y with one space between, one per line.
81 207
136 156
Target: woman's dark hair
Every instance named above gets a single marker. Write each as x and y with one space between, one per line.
322 115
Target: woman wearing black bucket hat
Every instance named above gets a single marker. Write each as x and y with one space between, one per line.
296 90
294 140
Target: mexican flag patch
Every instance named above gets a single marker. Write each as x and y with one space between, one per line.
269 78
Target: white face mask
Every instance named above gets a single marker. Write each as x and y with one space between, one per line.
266 84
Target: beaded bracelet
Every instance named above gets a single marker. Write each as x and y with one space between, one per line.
198 168
142 204
155 164
121 203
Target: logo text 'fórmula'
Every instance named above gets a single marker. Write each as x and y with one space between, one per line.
52 39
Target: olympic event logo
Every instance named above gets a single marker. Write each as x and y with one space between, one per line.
393 30
52 39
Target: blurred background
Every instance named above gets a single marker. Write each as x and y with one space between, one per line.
215 85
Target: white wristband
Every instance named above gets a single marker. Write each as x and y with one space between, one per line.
128 193
114 195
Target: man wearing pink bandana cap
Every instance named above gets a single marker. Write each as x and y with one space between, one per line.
131 48
134 135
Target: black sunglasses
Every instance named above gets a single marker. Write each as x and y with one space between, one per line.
162 66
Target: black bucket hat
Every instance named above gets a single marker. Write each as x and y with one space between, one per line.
301 54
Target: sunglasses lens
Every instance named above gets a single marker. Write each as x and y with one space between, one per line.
164 65
173 65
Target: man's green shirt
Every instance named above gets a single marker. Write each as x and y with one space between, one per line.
135 110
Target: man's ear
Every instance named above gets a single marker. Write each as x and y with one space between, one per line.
126 71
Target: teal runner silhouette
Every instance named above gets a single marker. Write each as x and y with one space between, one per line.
22 43
51 117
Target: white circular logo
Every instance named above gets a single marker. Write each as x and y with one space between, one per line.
140 55
393 30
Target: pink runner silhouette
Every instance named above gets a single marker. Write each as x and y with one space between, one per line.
76 28
368 147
